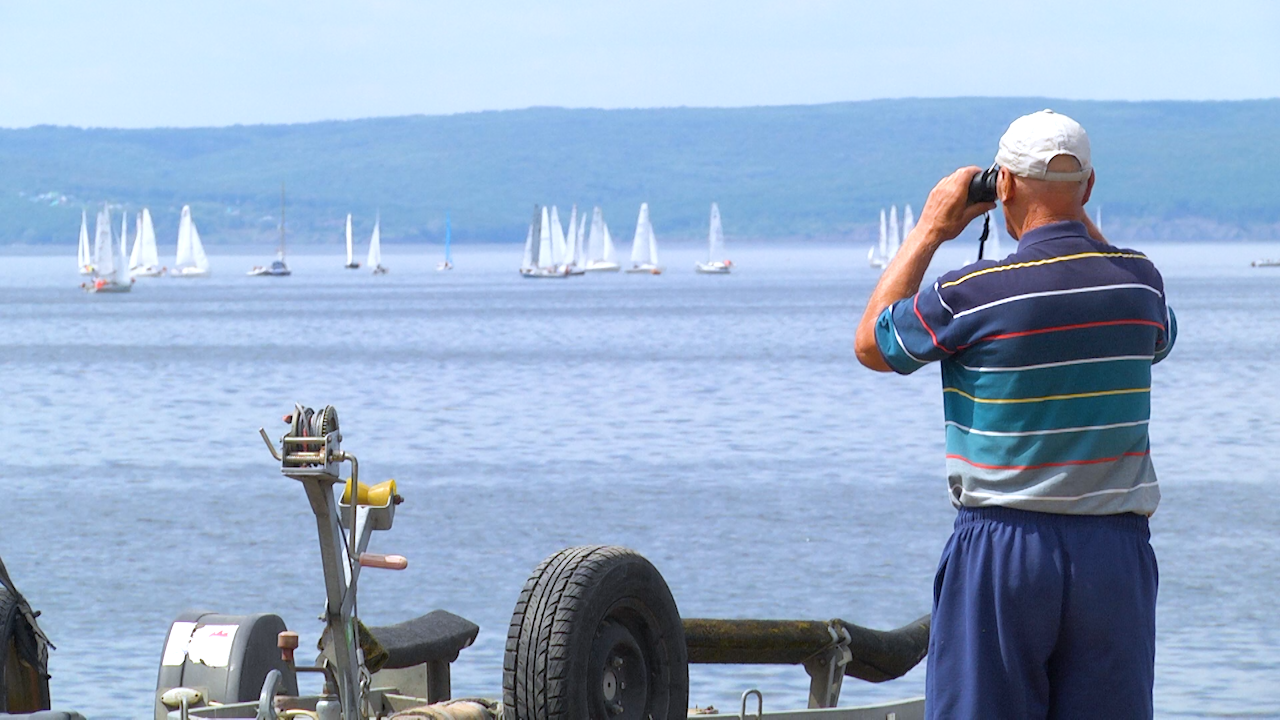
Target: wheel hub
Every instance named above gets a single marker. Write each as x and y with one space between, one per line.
624 682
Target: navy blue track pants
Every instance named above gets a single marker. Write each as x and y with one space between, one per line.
1037 615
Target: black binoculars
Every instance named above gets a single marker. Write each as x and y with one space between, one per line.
982 188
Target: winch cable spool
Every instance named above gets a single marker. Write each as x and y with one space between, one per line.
305 422
986 230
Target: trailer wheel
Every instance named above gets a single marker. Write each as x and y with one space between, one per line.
596 635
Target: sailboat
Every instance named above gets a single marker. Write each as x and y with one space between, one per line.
374 260
908 222
191 260
447 263
895 240
351 261
539 261
600 254
1098 222
277 268
84 256
573 246
881 258
581 238
110 265
716 240
144 261
644 247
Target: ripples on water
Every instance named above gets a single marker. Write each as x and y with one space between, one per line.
718 425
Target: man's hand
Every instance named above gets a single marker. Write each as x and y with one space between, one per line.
946 214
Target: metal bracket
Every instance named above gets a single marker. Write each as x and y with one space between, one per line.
826 668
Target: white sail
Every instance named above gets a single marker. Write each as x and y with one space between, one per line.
884 236
104 263
894 238
558 251
610 255
122 260
1098 222
716 236
546 256
582 227
653 247
150 253
529 263
84 257
908 222
571 243
350 258
595 241
136 256
124 238
640 243
374 261
190 249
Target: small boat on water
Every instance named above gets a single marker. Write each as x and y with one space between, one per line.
1265 262
539 260
447 263
351 261
191 260
374 261
84 254
278 267
600 256
644 247
716 241
110 262
878 255
144 261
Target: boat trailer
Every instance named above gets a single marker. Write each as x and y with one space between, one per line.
595 635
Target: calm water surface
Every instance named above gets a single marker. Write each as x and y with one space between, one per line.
718 425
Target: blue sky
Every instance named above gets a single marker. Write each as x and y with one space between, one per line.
200 63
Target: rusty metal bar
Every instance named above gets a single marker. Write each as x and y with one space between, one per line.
877 655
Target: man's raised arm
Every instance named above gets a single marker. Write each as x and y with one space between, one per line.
945 215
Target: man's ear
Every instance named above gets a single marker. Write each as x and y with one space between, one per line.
1089 188
1004 186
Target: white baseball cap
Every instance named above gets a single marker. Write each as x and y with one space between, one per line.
1033 140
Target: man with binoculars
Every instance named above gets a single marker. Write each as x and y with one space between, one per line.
1045 596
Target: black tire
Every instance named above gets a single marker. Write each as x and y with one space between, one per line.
24 681
595 636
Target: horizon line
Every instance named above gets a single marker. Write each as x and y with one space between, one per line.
656 108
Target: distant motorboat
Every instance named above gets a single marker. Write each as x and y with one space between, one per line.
191 261
351 262
644 247
374 260
144 261
84 255
110 263
447 263
278 268
1265 262
600 253
539 261
716 250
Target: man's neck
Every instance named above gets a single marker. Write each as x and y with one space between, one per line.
1039 217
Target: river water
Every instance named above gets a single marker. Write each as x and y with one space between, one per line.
718 425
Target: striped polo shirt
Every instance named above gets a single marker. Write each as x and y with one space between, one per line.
1046 372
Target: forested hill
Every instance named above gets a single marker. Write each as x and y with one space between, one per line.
1168 169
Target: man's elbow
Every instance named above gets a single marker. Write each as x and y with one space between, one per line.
868 353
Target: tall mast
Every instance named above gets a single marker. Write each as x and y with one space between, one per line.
281 221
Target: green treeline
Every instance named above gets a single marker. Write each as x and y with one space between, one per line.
820 171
